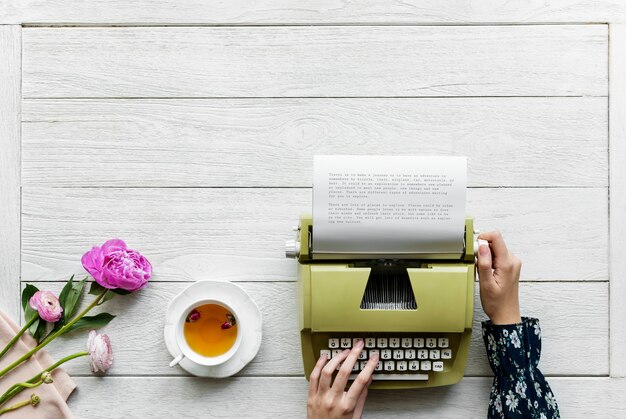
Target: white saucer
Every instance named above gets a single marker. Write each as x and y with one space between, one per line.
250 325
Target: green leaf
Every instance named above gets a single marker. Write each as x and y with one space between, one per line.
96 289
56 327
65 291
121 291
27 293
92 322
72 299
110 294
29 313
33 327
39 332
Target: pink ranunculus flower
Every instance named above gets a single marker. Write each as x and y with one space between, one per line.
47 305
113 265
100 352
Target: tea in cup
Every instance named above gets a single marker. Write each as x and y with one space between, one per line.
207 333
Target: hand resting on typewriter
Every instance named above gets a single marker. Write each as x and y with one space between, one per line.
499 280
513 346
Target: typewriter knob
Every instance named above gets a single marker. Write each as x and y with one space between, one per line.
476 241
292 248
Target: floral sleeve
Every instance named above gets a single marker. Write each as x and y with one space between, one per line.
519 389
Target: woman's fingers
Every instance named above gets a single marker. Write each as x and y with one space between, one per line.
326 376
485 268
346 369
497 244
362 380
314 379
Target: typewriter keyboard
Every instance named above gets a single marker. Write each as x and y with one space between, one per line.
400 358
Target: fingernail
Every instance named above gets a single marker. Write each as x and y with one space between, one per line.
359 344
484 250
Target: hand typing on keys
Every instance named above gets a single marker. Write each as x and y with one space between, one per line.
328 399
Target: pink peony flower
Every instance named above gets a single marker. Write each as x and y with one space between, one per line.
47 305
100 352
115 266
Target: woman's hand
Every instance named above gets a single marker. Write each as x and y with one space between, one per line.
498 271
328 399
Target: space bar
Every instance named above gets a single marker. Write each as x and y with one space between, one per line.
404 377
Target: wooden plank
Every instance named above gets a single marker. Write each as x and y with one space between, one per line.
617 210
578 318
249 12
239 234
303 61
208 142
274 397
10 99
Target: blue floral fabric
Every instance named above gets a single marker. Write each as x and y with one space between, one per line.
519 389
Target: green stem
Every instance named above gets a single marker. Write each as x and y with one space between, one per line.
29 385
53 336
14 387
17 388
20 333
15 406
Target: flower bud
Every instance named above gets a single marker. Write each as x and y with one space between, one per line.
46 377
100 352
230 321
193 316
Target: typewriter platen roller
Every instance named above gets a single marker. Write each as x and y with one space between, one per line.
415 311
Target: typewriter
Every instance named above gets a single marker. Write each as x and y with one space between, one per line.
415 311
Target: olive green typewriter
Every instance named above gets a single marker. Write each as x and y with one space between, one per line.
415 313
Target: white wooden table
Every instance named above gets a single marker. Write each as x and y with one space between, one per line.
187 128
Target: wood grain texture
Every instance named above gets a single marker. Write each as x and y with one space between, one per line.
312 12
239 234
508 141
617 151
318 61
577 318
285 397
10 101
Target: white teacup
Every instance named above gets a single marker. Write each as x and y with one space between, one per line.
187 352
